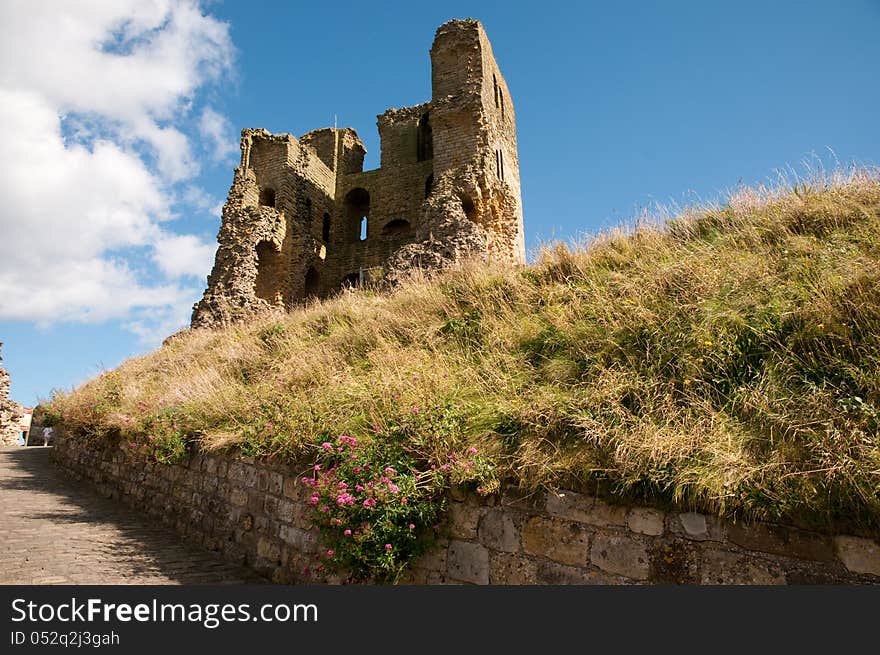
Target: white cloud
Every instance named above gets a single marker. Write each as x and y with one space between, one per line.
182 255
95 99
216 129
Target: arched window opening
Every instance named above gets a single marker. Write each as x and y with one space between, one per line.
495 89
312 283
397 228
267 197
425 140
269 271
308 209
357 213
429 185
325 228
467 206
501 101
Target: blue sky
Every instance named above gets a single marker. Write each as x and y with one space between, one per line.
122 121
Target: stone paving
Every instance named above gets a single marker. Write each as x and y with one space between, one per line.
56 531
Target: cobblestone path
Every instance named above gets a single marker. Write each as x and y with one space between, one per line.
56 531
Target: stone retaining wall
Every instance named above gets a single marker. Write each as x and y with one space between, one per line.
256 514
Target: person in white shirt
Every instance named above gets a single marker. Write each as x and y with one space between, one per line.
47 435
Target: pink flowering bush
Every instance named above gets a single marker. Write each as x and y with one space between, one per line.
378 505
159 435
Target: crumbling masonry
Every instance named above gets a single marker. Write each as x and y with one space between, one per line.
303 219
10 411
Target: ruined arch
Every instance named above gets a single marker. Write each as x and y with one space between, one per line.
312 283
398 227
357 213
270 267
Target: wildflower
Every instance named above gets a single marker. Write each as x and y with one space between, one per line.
707 343
472 451
412 526
393 488
415 410
347 532
317 467
687 381
389 470
269 426
821 326
327 445
387 546
330 552
444 467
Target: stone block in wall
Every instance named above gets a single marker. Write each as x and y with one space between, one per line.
560 574
434 559
275 483
781 540
858 555
464 517
498 531
468 562
562 541
526 501
675 561
645 520
512 569
297 538
722 567
585 509
622 555
697 526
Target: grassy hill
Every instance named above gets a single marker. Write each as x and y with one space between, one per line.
727 359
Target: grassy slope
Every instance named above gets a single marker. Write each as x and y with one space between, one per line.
728 360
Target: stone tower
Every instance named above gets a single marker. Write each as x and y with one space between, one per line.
303 219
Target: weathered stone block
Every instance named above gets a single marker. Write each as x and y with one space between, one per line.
645 520
781 540
463 520
859 555
238 497
468 562
498 531
560 574
268 548
696 526
585 509
562 541
511 569
621 555
721 567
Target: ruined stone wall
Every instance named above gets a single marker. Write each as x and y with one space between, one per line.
447 189
10 411
256 514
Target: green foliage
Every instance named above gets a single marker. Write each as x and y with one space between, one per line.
378 504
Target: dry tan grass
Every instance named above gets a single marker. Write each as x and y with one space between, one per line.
727 359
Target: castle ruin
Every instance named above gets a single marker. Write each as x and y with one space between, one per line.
11 412
303 219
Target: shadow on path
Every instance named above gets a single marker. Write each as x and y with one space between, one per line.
54 530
